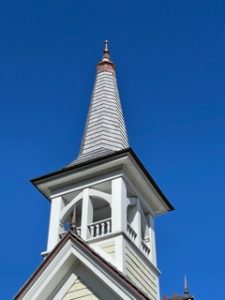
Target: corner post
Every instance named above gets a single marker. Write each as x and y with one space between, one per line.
86 214
54 224
152 239
119 205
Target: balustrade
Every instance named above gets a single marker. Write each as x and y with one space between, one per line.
100 228
132 234
145 248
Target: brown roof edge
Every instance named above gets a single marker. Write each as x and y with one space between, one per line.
99 159
42 266
79 165
111 269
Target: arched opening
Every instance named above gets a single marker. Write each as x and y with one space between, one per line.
101 224
73 217
101 209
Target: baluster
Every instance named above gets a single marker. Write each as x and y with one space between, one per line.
91 230
97 229
108 227
102 228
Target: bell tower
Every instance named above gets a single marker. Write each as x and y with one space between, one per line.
105 197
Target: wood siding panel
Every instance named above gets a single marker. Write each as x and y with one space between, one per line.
109 248
140 274
80 291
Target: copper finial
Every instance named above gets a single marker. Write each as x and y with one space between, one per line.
106 64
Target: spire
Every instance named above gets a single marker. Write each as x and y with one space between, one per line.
105 130
186 291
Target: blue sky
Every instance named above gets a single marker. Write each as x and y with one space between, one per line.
170 69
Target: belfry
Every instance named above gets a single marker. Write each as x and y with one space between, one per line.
101 237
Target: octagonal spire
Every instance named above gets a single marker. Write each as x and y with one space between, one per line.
105 129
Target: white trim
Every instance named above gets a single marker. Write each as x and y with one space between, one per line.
86 214
66 286
56 270
100 194
54 223
68 207
48 274
86 182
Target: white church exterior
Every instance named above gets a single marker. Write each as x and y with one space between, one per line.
101 240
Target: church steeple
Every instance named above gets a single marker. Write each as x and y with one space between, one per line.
103 209
105 130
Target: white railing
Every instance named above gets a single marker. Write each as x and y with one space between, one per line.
100 228
145 248
131 233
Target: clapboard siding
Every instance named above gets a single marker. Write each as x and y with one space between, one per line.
140 274
109 248
80 291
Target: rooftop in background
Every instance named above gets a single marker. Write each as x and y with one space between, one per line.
186 295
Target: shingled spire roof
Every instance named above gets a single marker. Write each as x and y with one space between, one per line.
105 130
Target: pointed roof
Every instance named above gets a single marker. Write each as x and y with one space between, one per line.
85 254
105 130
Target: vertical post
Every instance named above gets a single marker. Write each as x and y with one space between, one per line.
86 214
119 205
137 224
54 224
152 240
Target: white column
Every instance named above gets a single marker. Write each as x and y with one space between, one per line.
86 214
54 224
152 240
137 224
119 205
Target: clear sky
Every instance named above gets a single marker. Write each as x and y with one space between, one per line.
170 58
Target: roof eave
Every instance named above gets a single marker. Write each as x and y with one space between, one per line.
94 162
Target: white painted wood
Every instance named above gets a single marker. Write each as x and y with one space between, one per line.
100 194
137 223
119 205
120 254
87 182
83 266
153 256
69 206
54 224
86 214
66 286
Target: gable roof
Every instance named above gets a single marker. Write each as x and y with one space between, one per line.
121 279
